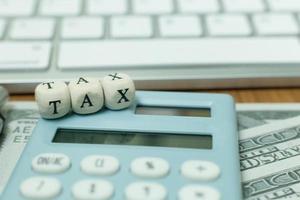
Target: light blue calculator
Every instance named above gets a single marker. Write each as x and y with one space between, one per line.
167 145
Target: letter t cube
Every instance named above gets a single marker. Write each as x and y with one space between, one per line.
53 99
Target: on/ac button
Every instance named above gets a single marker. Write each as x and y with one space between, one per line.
51 163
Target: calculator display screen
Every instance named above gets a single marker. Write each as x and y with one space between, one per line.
173 111
133 138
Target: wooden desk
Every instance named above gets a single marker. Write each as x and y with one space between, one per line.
241 95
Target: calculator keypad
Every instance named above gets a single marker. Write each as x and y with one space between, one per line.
92 190
150 167
199 170
100 165
197 192
105 165
145 191
51 163
40 188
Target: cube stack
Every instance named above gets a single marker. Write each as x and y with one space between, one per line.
84 95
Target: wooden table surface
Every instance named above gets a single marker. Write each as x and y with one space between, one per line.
241 95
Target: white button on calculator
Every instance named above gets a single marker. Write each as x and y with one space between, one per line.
40 188
197 192
51 163
145 191
92 189
150 167
100 165
200 170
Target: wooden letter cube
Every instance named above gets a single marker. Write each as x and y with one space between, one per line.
119 91
86 95
53 99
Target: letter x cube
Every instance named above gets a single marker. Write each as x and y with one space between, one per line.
119 91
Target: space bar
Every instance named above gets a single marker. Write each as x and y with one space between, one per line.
181 52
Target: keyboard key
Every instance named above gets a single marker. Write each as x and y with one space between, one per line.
193 52
51 163
244 5
13 8
284 5
152 6
275 24
199 170
228 25
60 7
198 6
92 189
180 26
198 192
106 7
24 55
131 27
32 29
150 167
40 188
2 27
145 191
82 27
100 165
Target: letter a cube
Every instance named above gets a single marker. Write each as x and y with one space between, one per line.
86 95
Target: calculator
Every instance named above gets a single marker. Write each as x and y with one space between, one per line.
167 145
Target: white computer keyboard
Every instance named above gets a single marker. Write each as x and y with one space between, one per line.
162 43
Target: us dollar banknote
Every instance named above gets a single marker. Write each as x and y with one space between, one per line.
20 120
252 115
270 160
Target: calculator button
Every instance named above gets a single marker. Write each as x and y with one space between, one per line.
40 188
150 167
92 189
51 163
196 192
145 191
200 170
100 165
